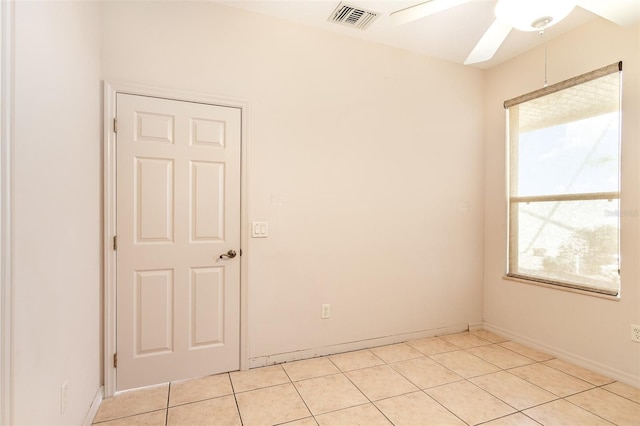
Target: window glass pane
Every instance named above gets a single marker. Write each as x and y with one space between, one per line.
568 241
572 158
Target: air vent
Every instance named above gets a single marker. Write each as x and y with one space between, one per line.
352 16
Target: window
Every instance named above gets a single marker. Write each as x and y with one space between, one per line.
564 183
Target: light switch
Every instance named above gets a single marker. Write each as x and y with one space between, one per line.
259 229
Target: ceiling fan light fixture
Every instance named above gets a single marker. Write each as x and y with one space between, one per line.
534 15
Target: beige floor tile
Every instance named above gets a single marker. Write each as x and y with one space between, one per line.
200 389
526 351
499 356
258 378
355 360
513 390
465 340
362 415
550 379
432 346
133 402
464 363
380 382
329 393
310 368
561 412
425 372
501 378
579 372
395 353
487 335
517 419
309 421
154 418
218 411
469 402
416 409
272 405
610 406
624 390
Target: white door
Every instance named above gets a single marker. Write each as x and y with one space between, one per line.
178 211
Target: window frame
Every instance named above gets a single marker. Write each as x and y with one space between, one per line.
512 252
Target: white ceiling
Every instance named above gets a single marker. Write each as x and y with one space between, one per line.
449 35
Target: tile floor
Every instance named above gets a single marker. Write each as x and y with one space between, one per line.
461 379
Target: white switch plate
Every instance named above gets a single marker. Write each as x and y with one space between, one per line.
326 311
259 229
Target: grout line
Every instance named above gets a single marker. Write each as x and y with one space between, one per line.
532 419
574 375
442 405
468 380
334 364
264 387
197 401
617 394
101 422
533 361
298 392
373 402
557 398
340 372
342 409
512 414
383 414
588 411
166 413
233 392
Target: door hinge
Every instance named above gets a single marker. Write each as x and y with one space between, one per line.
115 125
115 242
115 360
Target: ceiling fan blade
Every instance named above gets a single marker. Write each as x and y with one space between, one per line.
489 43
621 12
422 10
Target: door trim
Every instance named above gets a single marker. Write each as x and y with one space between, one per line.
111 89
7 36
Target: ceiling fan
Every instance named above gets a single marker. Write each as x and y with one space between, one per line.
523 15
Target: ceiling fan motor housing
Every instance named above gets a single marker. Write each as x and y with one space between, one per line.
533 15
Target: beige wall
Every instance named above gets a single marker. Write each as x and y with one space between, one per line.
589 330
370 150
57 175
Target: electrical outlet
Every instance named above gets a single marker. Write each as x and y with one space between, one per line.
635 333
64 390
326 311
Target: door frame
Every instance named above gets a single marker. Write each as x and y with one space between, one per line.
111 89
7 37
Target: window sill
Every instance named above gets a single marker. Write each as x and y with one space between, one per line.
561 288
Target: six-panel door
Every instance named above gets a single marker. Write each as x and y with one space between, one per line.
178 210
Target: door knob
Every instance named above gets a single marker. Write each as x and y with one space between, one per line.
230 254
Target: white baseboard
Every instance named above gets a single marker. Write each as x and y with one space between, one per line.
280 358
475 326
581 361
93 409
